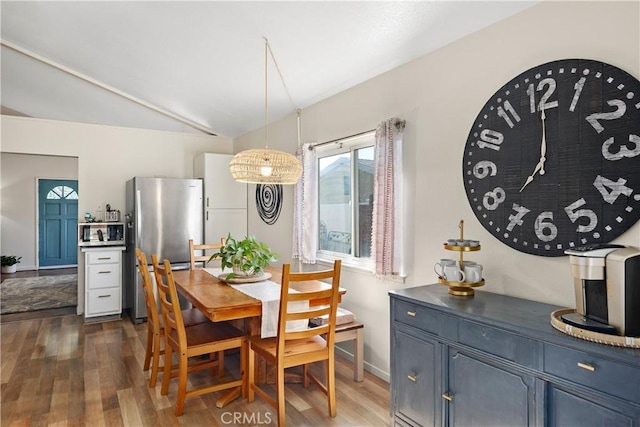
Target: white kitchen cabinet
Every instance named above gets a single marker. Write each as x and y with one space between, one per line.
225 200
221 191
103 281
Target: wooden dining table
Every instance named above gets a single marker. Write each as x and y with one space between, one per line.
220 302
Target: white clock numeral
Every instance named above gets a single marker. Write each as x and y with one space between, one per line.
542 223
543 105
490 139
616 188
492 199
509 108
578 87
623 151
517 218
484 168
575 215
621 108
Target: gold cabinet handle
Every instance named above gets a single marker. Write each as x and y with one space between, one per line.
411 313
586 367
447 396
413 377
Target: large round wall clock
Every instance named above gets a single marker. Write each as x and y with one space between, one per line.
552 161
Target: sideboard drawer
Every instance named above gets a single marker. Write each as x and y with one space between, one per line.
420 317
595 372
104 301
489 339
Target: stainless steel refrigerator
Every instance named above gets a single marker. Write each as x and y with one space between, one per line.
162 214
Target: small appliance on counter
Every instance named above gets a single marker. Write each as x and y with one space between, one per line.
101 234
607 289
111 215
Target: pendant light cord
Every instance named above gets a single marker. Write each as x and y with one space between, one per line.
267 52
266 95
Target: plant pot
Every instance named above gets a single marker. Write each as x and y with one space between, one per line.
9 269
237 270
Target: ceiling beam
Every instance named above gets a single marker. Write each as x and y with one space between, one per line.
107 87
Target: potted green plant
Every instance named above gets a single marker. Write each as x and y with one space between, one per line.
9 263
246 257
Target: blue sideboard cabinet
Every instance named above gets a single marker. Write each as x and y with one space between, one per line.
494 360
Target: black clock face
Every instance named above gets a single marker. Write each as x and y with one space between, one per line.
552 161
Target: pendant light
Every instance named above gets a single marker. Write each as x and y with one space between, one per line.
264 165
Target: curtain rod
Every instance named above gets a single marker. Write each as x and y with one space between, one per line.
318 144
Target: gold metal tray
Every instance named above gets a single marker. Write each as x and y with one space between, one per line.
574 331
461 248
461 289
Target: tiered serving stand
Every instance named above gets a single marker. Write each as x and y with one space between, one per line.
463 289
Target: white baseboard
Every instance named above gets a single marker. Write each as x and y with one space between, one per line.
367 366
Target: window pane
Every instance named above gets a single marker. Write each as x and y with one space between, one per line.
334 193
62 192
364 187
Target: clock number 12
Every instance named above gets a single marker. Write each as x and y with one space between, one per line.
544 104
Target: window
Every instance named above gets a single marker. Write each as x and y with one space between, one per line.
345 196
62 192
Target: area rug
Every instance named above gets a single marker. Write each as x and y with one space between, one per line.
38 293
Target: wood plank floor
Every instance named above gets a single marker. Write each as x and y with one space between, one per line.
57 371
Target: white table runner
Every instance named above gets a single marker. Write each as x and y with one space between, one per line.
269 293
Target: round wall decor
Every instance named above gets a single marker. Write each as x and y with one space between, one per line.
269 202
552 161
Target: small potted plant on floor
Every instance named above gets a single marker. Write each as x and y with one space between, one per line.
247 257
9 263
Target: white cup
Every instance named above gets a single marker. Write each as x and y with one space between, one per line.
453 273
473 272
441 265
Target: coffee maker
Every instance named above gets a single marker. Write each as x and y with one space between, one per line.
607 289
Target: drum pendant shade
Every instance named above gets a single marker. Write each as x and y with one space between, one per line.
264 165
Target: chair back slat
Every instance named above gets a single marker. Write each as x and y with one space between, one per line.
198 253
147 286
288 313
308 314
169 301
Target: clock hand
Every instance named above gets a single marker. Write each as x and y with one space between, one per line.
539 166
543 146
543 151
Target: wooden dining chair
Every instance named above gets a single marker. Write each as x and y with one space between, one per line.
155 323
300 347
203 257
203 339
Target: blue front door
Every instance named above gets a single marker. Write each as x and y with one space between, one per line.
58 222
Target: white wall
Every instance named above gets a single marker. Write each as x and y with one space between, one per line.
440 95
20 173
107 157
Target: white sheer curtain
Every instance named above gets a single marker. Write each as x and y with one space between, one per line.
305 208
387 232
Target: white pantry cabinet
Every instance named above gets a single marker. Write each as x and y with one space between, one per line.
225 200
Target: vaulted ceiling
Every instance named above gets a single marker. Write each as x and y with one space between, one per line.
199 66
